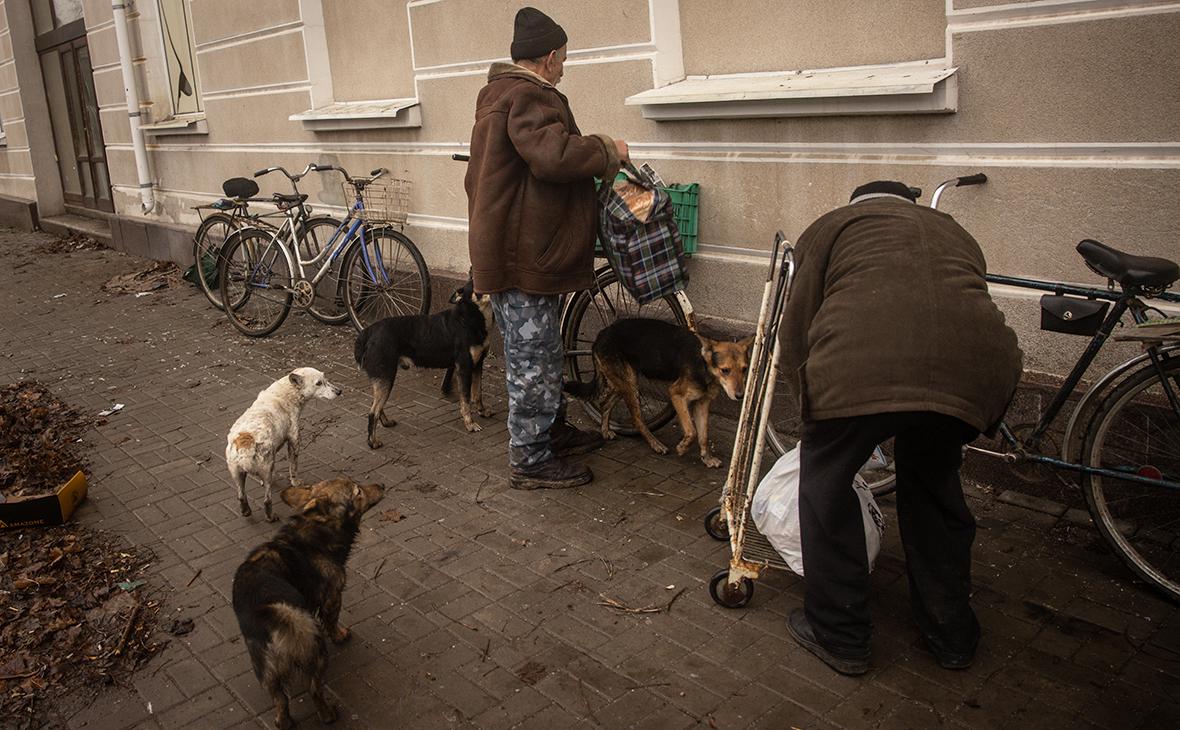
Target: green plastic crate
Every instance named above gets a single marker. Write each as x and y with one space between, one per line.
685 209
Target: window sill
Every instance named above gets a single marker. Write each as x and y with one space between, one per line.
194 124
349 115
925 87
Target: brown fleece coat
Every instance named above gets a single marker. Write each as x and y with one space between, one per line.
530 190
889 311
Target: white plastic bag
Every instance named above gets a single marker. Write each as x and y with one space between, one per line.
775 511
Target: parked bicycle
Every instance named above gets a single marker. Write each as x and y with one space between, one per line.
228 215
363 270
1123 435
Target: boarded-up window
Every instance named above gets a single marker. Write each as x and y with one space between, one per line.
743 36
176 31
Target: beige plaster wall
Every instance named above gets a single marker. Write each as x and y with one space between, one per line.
457 31
369 49
753 35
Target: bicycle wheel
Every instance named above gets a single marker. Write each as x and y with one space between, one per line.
783 428
1136 430
208 242
587 313
256 282
328 305
384 277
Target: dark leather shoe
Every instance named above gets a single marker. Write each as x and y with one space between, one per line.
801 631
565 440
553 474
950 659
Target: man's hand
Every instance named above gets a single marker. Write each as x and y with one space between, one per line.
623 150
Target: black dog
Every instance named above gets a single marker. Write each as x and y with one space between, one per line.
287 594
456 339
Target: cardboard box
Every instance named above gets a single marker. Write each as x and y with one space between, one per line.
44 509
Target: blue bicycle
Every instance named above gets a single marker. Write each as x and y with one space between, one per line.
364 268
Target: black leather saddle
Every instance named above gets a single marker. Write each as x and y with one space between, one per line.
286 201
1130 271
239 187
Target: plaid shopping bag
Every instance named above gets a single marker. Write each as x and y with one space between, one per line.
639 236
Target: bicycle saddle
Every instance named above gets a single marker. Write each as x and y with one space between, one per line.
1128 270
239 187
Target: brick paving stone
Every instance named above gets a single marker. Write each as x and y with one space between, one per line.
477 581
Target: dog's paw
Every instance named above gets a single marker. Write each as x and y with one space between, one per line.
270 513
486 412
609 435
683 447
388 422
375 443
711 461
296 482
658 447
341 634
245 507
472 426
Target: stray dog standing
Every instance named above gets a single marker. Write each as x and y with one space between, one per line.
456 339
287 594
266 426
695 368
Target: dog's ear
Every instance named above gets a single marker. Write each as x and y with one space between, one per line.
296 379
297 497
373 494
747 344
706 346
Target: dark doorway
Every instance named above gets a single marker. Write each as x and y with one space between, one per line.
73 110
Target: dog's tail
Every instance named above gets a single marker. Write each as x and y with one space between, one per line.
580 390
358 349
295 640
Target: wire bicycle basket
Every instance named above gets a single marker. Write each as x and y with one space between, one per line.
386 200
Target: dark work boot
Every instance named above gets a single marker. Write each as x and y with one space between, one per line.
565 440
800 630
553 474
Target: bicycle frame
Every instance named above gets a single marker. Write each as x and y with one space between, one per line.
1124 301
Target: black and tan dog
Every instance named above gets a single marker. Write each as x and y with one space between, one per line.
455 338
695 368
287 594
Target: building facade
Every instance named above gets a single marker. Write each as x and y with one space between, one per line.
777 108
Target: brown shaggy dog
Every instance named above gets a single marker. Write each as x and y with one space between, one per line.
287 594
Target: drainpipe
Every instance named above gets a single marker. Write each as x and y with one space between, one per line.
146 192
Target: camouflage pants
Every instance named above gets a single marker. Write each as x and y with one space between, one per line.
533 359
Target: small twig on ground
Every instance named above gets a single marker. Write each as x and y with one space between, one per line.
195 576
487 648
26 675
620 606
380 565
570 565
485 532
610 567
127 630
479 489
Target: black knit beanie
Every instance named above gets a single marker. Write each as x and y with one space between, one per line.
535 35
888 187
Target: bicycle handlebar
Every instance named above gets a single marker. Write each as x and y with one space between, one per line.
279 168
373 175
458 157
977 179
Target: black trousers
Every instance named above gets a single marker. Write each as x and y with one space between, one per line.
937 528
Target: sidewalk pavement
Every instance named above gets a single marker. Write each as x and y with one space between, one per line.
482 607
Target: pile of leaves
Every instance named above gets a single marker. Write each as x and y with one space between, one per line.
68 244
39 436
74 618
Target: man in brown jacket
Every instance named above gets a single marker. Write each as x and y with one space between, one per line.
531 206
892 333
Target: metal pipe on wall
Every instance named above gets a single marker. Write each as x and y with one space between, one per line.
146 192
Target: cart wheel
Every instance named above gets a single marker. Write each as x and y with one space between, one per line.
730 596
716 526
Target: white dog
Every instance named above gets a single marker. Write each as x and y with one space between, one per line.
272 421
